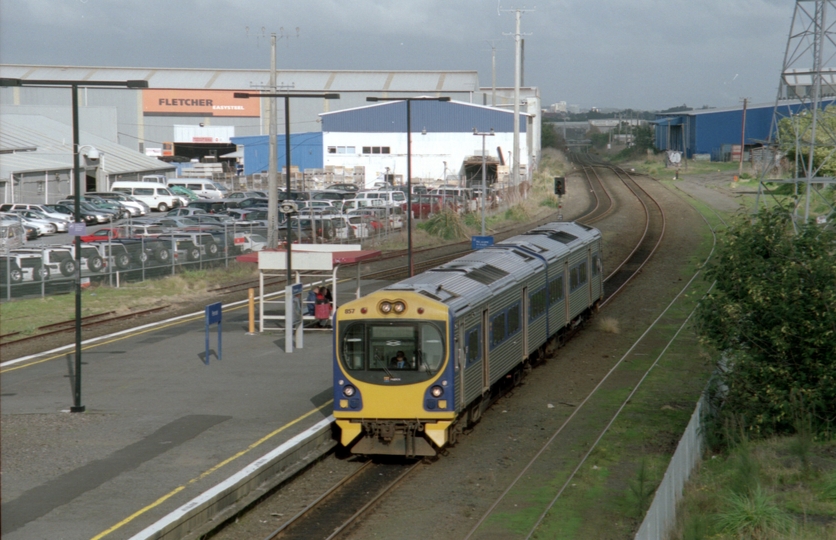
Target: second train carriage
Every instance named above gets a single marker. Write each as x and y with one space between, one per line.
463 329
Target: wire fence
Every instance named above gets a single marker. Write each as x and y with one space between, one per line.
661 517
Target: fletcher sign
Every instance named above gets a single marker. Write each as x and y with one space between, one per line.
162 102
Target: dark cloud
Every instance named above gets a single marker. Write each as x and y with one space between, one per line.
646 54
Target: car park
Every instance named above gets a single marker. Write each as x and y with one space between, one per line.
252 202
209 207
332 195
204 241
181 192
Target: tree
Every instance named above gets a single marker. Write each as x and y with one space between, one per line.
550 138
772 312
824 158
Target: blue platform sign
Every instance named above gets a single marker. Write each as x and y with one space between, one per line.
213 316
480 242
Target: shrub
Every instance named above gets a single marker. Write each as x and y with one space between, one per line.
772 313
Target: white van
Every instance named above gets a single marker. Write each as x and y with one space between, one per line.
155 178
203 187
389 198
155 196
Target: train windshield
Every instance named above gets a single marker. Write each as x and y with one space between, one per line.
392 352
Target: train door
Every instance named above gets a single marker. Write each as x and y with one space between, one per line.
462 355
525 322
568 303
587 274
486 370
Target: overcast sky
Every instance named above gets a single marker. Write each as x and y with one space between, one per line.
640 54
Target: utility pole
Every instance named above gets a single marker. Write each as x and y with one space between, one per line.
742 138
493 73
517 76
272 176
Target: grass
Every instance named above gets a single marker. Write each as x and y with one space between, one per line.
26 315
787 499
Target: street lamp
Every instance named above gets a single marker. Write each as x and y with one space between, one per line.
484 172
273 195
409 101
74 85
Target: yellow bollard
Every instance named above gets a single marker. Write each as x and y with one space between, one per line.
251 296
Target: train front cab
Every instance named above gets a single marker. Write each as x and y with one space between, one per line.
382 405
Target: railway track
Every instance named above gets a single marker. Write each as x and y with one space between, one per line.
345 502
602 204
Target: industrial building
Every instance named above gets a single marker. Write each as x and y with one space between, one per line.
372 139
712 133
189 114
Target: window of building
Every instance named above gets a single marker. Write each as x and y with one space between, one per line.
341 149
375 150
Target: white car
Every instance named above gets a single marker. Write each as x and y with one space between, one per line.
247 242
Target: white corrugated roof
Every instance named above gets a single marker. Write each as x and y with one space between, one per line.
239 79
53 145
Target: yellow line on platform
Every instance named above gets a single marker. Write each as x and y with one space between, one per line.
207 473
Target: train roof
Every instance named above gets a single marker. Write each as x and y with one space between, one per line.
469 279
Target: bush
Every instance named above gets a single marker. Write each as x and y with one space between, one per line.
446 225
772 314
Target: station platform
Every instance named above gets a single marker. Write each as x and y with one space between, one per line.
160 426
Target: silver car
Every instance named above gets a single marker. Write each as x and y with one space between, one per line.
61 225
41 225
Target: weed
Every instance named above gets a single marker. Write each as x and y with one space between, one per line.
752 515
551 200
446 225
802 443
695 529
642 488
609 325
516 213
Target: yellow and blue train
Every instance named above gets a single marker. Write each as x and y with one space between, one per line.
417 361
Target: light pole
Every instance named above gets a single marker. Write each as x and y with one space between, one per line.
483 134
272 209
409 101
74 85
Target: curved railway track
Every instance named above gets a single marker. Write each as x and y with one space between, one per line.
602 204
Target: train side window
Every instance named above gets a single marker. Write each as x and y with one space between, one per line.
498 329
537 304
595 264
513 320
582 273
473 352
556 289
577 276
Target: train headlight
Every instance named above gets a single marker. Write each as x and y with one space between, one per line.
349 390
385 307
437 391
399 307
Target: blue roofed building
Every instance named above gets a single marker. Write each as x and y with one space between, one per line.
713 132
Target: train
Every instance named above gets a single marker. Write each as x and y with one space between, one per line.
418 361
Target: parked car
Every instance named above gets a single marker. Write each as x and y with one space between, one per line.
209 207
343 229
332 195
136 207
45 209
247 242
343 187
43 226
22 266
181 191
102 215
323 228
88 217
12 234
61 225
91 259
54 260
